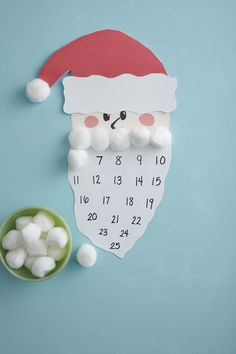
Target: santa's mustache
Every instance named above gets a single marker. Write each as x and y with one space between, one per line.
118 139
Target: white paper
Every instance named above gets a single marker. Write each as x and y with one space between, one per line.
104 209
153 92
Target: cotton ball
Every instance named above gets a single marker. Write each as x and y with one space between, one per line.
100 139
57 237
86 255
22 221
30 232
140 136
79 139
42 266
161 137
120 139
56 253
16 258
29 261
36 247
37 90
77 159
44 221
11 240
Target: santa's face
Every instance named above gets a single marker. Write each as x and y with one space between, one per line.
117 168
122 119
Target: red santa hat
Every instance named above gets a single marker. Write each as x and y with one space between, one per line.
110 71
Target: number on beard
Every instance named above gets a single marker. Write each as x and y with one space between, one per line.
103 232
136 220
115 246
124 233
160 160
92 217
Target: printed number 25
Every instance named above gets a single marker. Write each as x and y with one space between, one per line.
115 246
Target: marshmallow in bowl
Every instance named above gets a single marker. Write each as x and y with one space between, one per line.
44 221
57 237
56 253
22 221
30 233
11 240
16 258
42 266
29 261
36 247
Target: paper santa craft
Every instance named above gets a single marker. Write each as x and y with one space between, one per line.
120 97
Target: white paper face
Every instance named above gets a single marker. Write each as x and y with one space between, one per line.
116 193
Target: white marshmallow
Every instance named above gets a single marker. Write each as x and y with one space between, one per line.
161 137
100 139
11 240
22 221
42 266
86 255
140 136
77 159
16 258
120 139
79 139
36 247
30 233
29 261
44 221
57 237
56 253
37 90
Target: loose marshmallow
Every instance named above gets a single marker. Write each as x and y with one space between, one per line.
161 137
140 136
11 240
77 159
100 139
86 255
120 139
16 258
22 221
29 261
30 233
79 139
56 253
57 237
36 247
44 221
42 266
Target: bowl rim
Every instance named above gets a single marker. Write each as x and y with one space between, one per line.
68 254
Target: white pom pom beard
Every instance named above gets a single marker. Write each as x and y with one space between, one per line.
96 214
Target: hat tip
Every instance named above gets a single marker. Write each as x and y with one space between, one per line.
37 90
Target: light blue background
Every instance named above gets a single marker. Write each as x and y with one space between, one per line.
175 293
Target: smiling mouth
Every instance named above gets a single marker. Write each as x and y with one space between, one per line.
113 124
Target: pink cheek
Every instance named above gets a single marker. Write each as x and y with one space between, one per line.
91 121
146 119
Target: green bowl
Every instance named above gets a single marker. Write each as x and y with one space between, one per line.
9 224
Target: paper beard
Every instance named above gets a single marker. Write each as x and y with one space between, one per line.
120 98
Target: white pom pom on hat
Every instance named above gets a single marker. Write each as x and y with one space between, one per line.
37 90
86 255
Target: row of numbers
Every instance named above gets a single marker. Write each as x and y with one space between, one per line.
123 233
136 220
118 180
159 160
129 201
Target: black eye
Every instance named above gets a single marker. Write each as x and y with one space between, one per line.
122 115
106 116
